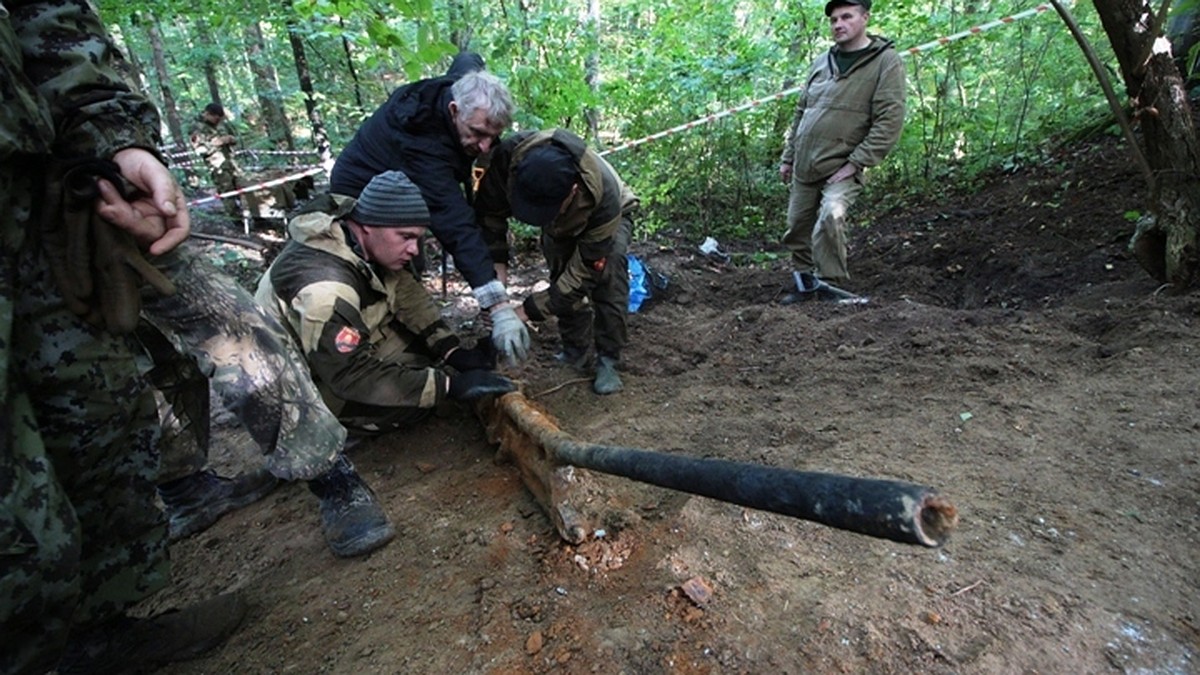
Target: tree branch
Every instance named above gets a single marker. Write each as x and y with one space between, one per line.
1102 77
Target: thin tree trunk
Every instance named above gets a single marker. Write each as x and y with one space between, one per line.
320 135
266 86
358 99
210 61
1166 244
592 75
169 108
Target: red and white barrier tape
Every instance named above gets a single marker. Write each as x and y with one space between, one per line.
259 186
940 42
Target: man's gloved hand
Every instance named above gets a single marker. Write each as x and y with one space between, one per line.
509 334
475 384
480 357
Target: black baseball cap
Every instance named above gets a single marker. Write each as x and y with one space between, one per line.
865 4
542 179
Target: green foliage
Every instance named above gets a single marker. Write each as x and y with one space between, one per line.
1000 98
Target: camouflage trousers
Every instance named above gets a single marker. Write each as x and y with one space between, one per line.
226 177
216 334
80 536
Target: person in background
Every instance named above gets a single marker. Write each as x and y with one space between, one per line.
81 538
374 341
433 130
553 181
848 118
212 139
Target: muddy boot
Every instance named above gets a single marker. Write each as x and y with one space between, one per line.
607 380
126 645
352 520
193 503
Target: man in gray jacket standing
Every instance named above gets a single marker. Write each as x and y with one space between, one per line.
848 118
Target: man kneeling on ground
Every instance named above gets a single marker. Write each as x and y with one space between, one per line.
374 340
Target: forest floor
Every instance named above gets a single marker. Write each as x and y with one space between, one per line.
1012 355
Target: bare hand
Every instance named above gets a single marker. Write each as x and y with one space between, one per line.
785 171
847 171
157 216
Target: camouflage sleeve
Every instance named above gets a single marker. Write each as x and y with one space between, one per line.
414 308
72 61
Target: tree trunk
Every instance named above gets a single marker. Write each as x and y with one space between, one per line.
169 108
592 76
358 99
1165 243
320 135
210 62
266 86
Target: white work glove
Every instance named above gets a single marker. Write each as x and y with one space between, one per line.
509 334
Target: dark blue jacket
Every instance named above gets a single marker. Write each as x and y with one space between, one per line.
413 133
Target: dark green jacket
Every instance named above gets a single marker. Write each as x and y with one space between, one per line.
855 116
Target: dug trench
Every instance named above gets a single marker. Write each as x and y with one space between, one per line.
1012 356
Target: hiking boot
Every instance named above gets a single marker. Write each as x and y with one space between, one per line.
352 520
575 357
196 501
607 380
126 645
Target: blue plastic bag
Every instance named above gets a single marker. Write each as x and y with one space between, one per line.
639 285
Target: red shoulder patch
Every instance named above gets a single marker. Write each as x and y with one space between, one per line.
347 340
599 264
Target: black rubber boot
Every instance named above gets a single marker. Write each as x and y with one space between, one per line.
352 520
607 381
810 287
127 645
196 501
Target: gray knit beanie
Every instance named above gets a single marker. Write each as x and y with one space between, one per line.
391 200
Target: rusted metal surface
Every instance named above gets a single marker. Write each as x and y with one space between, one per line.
545 455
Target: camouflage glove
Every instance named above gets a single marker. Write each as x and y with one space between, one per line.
95 264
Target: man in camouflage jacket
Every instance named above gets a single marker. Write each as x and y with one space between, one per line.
80 537
374 341
552 180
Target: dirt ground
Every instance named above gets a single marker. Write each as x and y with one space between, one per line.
1012 355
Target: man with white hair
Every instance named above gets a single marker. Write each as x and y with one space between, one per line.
433 130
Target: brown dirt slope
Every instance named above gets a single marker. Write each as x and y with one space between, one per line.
1011 355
